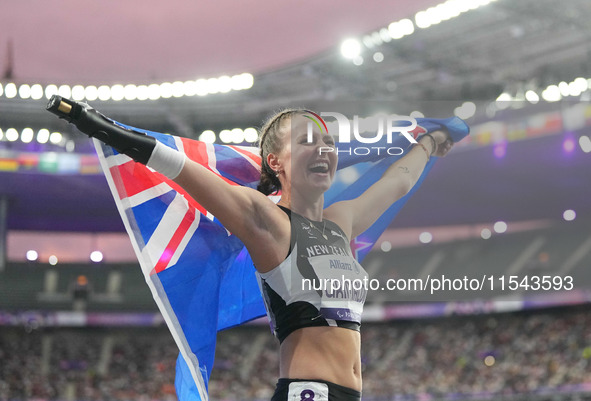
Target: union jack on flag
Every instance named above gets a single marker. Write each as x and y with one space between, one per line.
201 275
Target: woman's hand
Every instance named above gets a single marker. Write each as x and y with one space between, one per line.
441 143
358 214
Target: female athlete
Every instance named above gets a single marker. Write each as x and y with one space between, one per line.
292 243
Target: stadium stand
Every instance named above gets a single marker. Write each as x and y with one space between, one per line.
542 355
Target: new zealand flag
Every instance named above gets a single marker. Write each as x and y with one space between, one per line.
201 276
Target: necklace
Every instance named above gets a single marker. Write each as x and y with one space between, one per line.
318 229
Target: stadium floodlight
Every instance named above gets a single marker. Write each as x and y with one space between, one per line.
154 92
503 100
117 92
224 84
166 90
207 136
32 255
569 215
36 92
251 135
248 80
485 233
24 91
10 90
27 135
50 90
466 110
237 135
96 256
104 92
564 89
130 92
189 88
91 93
401 28
212 85
65 91
178 89
202 86
500 227
503 97
395 30
385 35
422 19
351 48
11 134
78 92
552 94
43 135
142 92
532 97
425 237
55 137
225 136
378 57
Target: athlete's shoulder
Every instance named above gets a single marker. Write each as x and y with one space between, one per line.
340 214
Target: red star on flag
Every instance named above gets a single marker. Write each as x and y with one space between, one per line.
358 245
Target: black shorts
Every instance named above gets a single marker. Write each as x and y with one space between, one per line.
313 390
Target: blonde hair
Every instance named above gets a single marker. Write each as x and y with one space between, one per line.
271 142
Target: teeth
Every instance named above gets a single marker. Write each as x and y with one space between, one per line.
325 165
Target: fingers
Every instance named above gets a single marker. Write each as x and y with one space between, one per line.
444 148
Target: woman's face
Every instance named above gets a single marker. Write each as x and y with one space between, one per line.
309 158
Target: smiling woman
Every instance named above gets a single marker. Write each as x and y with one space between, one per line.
309 322
289 139
291 243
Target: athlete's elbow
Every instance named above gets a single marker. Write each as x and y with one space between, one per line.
400 186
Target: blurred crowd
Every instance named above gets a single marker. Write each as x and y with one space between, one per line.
520 353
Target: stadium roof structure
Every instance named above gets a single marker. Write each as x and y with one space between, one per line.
111 41
502 56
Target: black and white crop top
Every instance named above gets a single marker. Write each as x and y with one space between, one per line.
319 283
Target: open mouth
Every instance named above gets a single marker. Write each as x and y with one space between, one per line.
319 167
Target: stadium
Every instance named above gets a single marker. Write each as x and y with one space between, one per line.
479 287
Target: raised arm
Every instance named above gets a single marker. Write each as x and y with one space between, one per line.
357 215
245 212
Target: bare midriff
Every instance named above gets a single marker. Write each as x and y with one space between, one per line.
323 353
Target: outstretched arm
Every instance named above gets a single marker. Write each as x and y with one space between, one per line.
245 212
357 215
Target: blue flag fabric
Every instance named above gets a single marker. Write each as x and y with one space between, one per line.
201 276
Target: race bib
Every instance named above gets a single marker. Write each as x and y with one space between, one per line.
307 391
